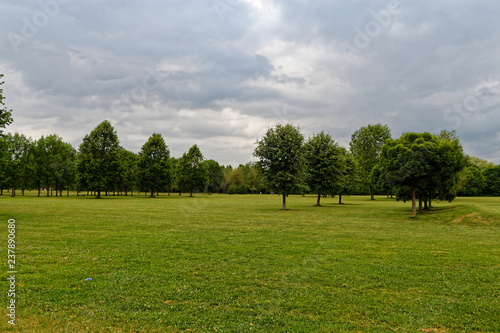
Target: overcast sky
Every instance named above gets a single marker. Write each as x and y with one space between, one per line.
219 73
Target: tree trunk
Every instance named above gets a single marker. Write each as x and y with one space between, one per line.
13 193
283 207
98 194
152 193
413 203
425 204
371 193
340 199
38 189
191 193
22 191
319 198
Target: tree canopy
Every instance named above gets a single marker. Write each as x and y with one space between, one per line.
98 158
366 145
281 158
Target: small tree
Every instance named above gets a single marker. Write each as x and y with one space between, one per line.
154 171
325 165
281 159
215 175
191 172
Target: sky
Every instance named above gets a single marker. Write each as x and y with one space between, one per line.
219 73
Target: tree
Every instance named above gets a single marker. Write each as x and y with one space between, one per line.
407 163
191 172
326 165
98 158
215 176
423 165
129 171
5 114
154 171
16 161
472 181
281 159
366 145
350 180
492 177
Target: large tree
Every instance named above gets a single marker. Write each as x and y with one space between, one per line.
153 164
422 165
366 145
326 166
191 171
5 114
407 163
16 161
281 159
98 160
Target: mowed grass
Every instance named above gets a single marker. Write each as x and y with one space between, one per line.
220 263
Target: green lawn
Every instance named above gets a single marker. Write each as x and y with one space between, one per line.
224 263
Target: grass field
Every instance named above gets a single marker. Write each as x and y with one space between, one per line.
224 263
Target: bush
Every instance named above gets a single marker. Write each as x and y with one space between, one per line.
243 189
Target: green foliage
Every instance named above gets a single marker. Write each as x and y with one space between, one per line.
366 145
128 170
191 172
98 162
16 161
492 177
423 165
281 159
472 181
241 189
215 176
326 166
480 163
153 165
5 114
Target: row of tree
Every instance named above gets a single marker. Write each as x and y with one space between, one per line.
416 166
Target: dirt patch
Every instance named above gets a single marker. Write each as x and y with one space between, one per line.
433 330
471 219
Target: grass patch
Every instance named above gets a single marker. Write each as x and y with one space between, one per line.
224 263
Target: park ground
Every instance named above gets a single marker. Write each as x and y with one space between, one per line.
222 263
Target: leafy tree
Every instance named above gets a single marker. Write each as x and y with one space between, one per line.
350 180
98 158
16 161
480 163
325 166
5 114
215 175
492 177
129 171
407 163
191 172
472 181
281 159
154 171
366 145
423 165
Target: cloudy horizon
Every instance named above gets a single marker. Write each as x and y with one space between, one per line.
219 73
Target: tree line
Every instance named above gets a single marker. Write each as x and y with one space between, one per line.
416 166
